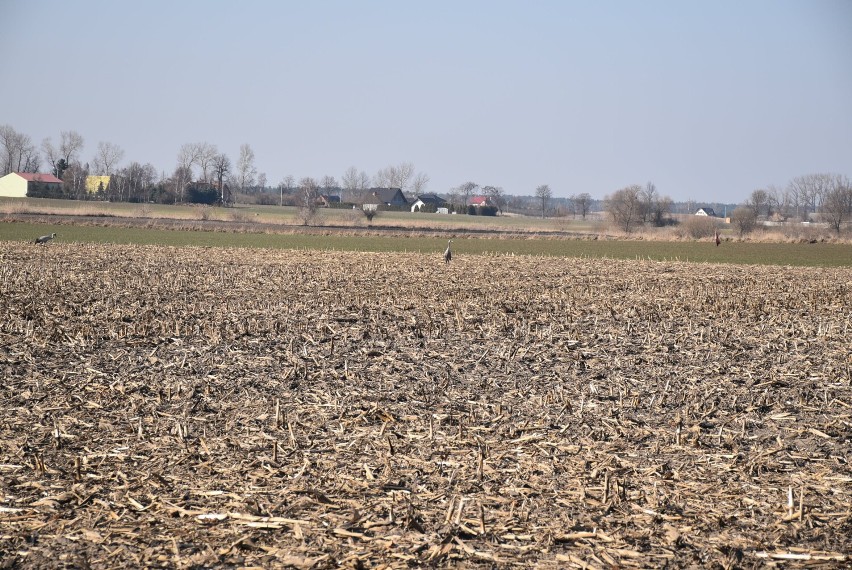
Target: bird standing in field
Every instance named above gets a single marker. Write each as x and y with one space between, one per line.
45 239
448 255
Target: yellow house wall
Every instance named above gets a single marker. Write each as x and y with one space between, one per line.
93 182
13 186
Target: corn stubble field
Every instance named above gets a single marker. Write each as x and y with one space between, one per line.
179 407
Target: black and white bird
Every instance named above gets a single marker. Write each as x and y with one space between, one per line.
448 255
45 239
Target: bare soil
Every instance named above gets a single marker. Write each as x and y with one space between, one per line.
180 408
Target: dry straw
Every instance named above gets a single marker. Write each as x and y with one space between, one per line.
168 407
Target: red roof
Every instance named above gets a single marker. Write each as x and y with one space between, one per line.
479 200
37 177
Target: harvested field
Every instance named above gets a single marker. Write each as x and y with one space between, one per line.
183 407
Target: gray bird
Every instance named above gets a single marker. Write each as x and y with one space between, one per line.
448 255
45 239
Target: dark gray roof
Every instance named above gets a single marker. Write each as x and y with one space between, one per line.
431 199
389 195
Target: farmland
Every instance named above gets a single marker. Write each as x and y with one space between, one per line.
273 227
337 239
165 407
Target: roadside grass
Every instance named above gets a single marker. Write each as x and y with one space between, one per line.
736 252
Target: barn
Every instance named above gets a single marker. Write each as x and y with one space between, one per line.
95 184
22 184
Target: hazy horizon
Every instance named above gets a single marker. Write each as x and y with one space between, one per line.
707 100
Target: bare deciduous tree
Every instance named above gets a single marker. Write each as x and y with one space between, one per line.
370 213
582 203
776 201
464 191
31 161
65 155
544 194
328 184
647 201
134 183
74 181
221 167
661 209
837 202
246 170
363 181
309 193
106 158
759 202
397 176
205 154
349 180
793 200
402 175
181 178
382 178
355 182
287 184
810 190
454 198
418 185
699 227
623 206
51 153
496 195
19 153
70 145
653 208
744 219
188 155
7 136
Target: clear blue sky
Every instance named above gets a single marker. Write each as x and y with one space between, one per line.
709 100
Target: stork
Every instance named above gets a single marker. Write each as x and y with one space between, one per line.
448 255
45 239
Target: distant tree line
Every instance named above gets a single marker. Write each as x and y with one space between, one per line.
636 205
203 174
825 198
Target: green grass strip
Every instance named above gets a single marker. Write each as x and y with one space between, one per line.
797 254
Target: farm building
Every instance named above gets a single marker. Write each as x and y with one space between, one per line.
94 184
22 184
327 200
387 196
480 201
428 202
706 212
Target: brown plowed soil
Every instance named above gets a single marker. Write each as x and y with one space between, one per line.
166 407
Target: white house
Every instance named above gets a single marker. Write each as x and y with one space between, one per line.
18 184
430 200
706 212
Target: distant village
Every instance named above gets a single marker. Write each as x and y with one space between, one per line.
204 175
99 187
